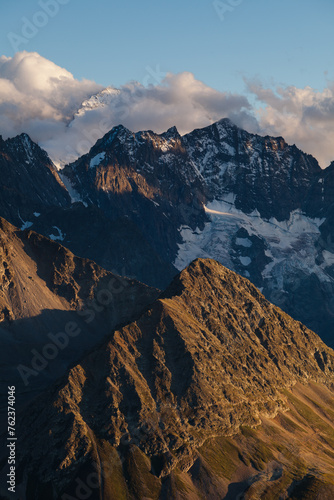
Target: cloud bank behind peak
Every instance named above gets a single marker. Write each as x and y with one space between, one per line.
66 116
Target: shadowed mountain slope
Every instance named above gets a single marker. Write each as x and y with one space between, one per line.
50 297
29 181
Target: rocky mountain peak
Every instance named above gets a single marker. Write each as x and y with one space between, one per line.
143 176
98 100
24 148
263 173
117 133
171 132
30 181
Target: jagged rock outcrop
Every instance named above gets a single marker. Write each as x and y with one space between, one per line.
264 173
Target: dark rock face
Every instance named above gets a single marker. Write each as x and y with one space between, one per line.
209 357
33 195
253 248
265 173
47 293
321 194
146 177
29 181
116 245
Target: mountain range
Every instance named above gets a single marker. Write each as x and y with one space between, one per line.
145 205
160 304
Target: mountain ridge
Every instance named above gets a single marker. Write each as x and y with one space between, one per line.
210 359
54 306
30 181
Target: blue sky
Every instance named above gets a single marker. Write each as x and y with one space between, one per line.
113 42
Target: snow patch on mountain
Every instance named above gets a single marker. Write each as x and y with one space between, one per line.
245 261
99 100
74 195
95 162
290 243
243 242
26 225
57 237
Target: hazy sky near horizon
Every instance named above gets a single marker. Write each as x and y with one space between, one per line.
267 65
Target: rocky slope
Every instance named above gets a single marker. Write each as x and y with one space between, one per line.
146 177
212 392
53 307
33 195
264 173
29 181
116 245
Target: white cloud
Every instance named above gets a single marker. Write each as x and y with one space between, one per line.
42 99
179 100
304 117
36 95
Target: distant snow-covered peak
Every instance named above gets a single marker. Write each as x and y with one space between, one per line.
99 100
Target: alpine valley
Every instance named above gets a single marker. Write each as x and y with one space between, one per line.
167 316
